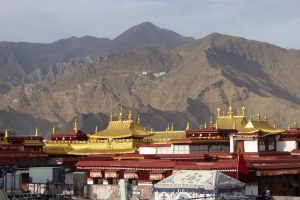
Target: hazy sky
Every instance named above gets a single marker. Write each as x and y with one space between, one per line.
274 21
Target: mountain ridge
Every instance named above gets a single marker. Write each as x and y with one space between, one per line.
165 84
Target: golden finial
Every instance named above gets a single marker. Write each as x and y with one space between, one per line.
243 111
6 133
96 129
172 127
289 127
274 126
129 115
53 130
187 126
111 116
230 113
218 112
238 112
295 124
211 122
138 119
168 128
258 116
266 117
205 125
75 126
121 114
216 124
36 132
151 130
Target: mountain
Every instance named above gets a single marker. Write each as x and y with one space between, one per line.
147 34
17 60
162 84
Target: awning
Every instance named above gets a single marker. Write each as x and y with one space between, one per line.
157 175
277 172
131 175
96 174
111 174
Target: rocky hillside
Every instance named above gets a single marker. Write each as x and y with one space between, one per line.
162 83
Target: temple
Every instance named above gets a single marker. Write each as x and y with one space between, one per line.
121 136
127 150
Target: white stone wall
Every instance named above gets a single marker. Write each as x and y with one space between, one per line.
147 150
251 146
232 144
286 146
164 150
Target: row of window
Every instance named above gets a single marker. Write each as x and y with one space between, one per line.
182 149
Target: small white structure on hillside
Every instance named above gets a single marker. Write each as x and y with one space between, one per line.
189 184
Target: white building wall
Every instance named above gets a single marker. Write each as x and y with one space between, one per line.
251 146
164 150
286 146
147 150
232 145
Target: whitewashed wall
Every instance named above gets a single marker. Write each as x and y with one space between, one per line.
232 145
251 146
147 150
287 146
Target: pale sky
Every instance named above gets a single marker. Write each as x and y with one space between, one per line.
273 21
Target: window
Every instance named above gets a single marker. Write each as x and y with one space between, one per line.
199 148
181 149
219 148
262 145
267 144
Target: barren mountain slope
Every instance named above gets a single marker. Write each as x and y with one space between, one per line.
168 85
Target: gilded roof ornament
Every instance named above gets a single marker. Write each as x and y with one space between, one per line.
53 129
243 111
96 129
295 124
218 112
36 132
172 127
205 125
138 119
187 126
258 117
75 126
111 116
6 133
266 117
129 115
230 112
121 114
216 124
211 122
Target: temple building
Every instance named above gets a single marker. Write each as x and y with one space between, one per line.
15 148
121 136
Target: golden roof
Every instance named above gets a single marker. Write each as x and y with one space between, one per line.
234 122
122 129
240 122
165 136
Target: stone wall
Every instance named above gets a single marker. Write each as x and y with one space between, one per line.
112 192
